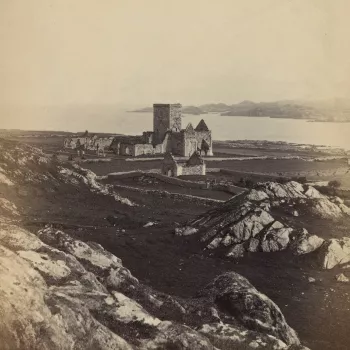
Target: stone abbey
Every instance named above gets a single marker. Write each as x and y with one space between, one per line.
167 136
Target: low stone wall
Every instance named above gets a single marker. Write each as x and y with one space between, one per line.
257 176
176 196
179 182
193 169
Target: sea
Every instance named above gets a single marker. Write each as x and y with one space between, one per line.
330 134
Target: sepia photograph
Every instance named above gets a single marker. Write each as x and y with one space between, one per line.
174 174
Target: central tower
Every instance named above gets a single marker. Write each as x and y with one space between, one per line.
166 117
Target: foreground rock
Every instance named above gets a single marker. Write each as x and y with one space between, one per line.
60 293
234 294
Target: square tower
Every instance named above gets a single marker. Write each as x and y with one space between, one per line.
166 117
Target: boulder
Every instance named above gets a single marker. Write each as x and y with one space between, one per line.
290 190
305 243
253 246
324 208
185 231
345 209
311 192
257 195
335 252
342 278
276 239
236 251
233 294
337 200
249 226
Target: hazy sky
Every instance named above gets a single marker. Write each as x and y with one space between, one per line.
57 52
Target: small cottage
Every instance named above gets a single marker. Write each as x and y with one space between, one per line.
195 165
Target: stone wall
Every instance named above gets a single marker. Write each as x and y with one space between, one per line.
127 150
206 136
104 142
177 143
144 148
72 142
190 144
171 170
170 166
161 121
175 117
194 169
166 117
147 136
90 143
167 142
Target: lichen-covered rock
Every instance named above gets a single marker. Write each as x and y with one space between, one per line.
276 238
335 252
253 245
92 253
255 310
305 243
33 319
185 231
311 192
324 208
222 334
342 278
237 251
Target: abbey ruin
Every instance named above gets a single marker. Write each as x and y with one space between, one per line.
167 137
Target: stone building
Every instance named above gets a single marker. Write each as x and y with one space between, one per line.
195 165
89 142
167 136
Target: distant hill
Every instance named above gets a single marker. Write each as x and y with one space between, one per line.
215 107
325 110
186 110
273 109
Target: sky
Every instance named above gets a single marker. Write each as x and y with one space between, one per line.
138 52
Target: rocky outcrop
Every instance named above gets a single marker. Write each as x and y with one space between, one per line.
24 168
249 223
335 252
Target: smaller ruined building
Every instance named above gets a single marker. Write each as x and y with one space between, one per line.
88 142
195 165
167 136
